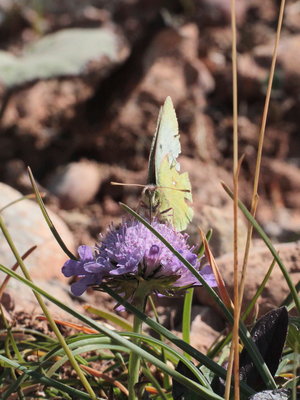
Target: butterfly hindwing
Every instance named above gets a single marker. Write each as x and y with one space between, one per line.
177 200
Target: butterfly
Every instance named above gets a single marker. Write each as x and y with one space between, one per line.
168 192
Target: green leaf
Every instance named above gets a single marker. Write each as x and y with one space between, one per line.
293 338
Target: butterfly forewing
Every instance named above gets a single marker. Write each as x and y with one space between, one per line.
168 189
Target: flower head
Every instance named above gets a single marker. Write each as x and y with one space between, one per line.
130 256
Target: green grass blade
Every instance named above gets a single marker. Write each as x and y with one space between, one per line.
188 301
15 386
102 340
259 291
289 299
201 249
186 317
148 374
81 350
268 243
48 219
205 393
244 334
116 319
166 379
26 197
46 312
214 351
43 379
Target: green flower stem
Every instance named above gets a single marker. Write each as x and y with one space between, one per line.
134 358
134 362
186 318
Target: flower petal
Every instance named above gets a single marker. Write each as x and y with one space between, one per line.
92 267
85 253
79 287
71 267
209 276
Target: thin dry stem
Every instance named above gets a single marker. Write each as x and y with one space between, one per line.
235 340
254 200
229 368
235 332
14 267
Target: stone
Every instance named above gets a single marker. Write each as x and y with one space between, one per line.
218 12
251 76
77 183
172 66
202 336
45 85
260 259
220 220
207 315
56 55
28 228
25 299
288 60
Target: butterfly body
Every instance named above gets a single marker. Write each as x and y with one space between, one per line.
168 192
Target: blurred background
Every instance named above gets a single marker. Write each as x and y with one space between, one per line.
81 83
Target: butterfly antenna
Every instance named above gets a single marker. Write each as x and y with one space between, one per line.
127 184
171 188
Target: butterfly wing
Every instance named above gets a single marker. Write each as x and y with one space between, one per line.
175 202
165 142
163 170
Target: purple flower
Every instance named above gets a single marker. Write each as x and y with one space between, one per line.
130 256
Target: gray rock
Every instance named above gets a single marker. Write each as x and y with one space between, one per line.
56 55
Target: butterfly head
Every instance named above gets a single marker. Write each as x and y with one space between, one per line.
150 197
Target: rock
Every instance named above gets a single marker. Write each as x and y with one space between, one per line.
207 315
202 135
77 183
28 228
292 17
170 65
288 60
56 55
39 112
218 12
259 261
50 80
251 76
220 220
202 335
25 299
288 175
